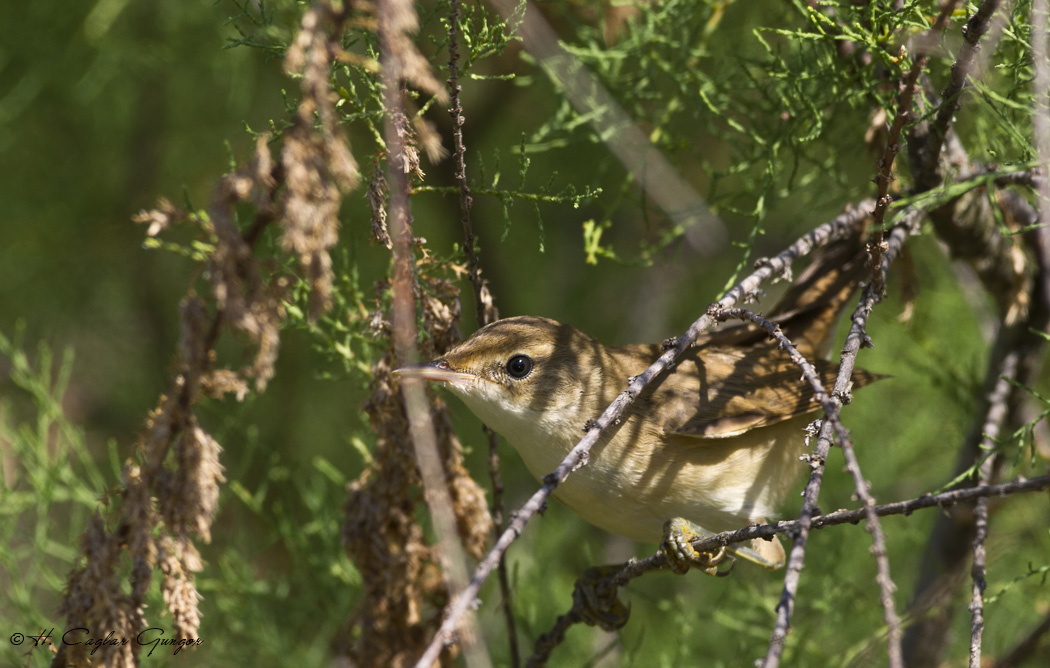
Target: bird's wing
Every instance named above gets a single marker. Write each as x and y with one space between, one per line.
717 391
727 392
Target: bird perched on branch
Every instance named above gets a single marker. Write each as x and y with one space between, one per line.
712 445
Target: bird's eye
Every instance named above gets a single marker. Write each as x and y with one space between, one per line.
519 366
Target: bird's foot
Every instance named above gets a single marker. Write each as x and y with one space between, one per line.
679 534
594 599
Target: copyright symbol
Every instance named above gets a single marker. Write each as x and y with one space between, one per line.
17 639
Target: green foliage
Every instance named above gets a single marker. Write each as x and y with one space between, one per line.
49 487
288 559
342 335
268 26
763 107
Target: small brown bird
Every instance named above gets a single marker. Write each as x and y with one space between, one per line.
712 446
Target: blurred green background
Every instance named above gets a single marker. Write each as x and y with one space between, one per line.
107 106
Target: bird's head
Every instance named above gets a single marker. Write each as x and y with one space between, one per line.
518 373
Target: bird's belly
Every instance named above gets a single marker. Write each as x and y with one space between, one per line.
719 484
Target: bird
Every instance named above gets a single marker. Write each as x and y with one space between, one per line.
713 445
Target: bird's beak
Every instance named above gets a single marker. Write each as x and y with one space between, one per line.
438 370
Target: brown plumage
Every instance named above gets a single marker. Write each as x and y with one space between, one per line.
716 441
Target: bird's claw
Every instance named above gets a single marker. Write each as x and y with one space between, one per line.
677 546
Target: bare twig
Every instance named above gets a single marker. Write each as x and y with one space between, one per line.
885 177
951 96
840 228
809 372
995 418
635 568
970 229
952 538
459 156
940 500
856 339
484 311
882 564
1040 239
421 427
831 408
835 518
978 570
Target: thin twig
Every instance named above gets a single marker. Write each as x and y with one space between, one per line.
635 568
882 563
853 516
978 570
482 312
953 538
831 408
995 419
809 372
858 338
1001 394
421 427
885 177
951 96
939 500
855 340
1040 241
459 155
840 228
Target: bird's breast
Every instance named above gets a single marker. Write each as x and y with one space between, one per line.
636 479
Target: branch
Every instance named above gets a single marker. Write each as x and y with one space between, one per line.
854 516
970 228
855 340
840 228
977 573
635 568
951 96
995 418
484 309
893 145
391 28
485 312
831 408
